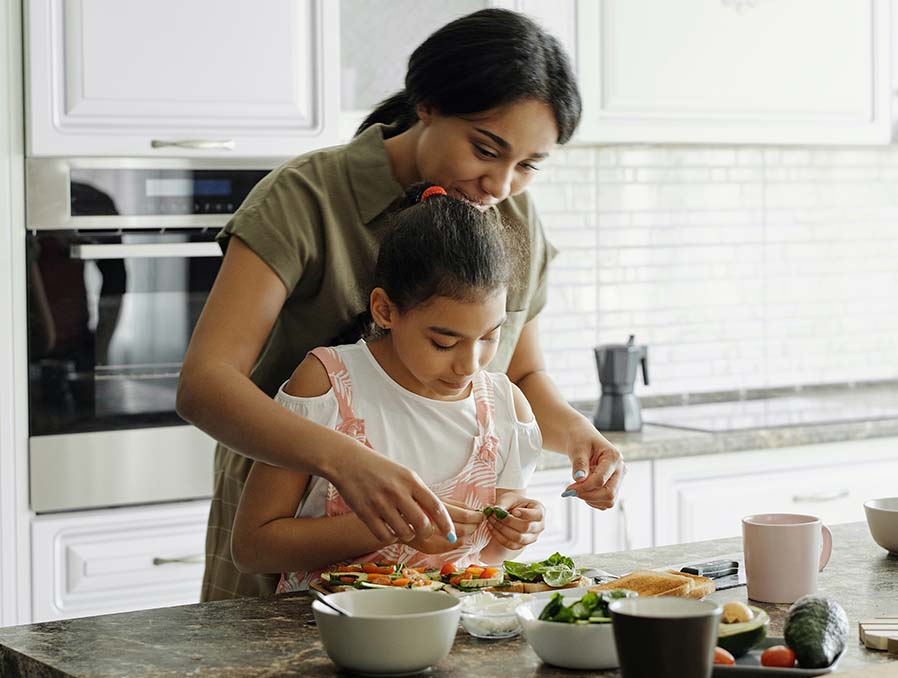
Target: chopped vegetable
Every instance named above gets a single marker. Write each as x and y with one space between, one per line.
560 568
736 612
778 655
448 568
721 656
590 609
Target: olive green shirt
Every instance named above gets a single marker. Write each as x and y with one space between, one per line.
317 222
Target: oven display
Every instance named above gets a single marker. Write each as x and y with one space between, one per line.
158 192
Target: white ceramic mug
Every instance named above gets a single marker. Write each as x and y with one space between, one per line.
783 554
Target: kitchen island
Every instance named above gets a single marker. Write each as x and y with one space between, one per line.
276 636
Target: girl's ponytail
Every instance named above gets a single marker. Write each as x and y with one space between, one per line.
397 109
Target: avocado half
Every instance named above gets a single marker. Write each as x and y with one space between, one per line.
739 638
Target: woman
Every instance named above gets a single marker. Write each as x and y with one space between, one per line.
487 98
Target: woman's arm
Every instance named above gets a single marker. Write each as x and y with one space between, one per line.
216 395
597 466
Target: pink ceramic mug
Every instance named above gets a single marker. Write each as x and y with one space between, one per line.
783 554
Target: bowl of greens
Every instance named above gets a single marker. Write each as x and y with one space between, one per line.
572 631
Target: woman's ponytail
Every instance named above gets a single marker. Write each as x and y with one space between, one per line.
397 109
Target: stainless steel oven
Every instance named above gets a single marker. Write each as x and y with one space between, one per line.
121 258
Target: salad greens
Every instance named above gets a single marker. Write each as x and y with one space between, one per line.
497 511
556 570
590 609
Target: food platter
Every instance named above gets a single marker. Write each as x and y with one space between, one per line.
749 665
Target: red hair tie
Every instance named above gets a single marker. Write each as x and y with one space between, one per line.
431 191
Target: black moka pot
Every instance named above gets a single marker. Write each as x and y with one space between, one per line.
618 406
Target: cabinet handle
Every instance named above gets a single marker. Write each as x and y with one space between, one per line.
202 144
823 496
625 524
196 559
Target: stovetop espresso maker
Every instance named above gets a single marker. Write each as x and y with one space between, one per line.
619 408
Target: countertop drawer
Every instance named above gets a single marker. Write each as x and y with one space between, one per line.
98 562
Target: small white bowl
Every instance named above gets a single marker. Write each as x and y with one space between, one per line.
570 646
882 519
401 631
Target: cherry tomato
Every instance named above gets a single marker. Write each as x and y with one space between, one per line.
721 656
448 568
778 655
455 580
489 573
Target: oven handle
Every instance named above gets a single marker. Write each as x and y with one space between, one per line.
145 250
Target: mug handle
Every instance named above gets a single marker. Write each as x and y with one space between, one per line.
827 549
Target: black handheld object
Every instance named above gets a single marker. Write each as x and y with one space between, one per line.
713 569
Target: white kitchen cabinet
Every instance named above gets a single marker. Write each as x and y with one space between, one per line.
735 71
171 78
101 562
572 527
568 520
629 524
374 62
706 497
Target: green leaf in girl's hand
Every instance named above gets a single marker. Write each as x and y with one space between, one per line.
497 511
488 511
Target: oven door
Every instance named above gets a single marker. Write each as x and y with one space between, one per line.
110 315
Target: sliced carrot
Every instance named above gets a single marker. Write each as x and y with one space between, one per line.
402 581
385 569
448 568
369 568
473 569
380 579
355 567
456 579
347 580
489 573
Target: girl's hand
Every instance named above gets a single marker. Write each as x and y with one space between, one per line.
523 525
392 501
465 520
598 467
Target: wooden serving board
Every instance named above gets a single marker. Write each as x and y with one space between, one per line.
880 633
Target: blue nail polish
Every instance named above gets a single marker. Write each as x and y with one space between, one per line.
451 538
569 493
579 474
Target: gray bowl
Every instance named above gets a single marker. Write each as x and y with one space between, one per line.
882 519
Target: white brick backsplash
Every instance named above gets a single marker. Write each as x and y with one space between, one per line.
739 267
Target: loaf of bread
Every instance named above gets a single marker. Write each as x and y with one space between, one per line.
661 583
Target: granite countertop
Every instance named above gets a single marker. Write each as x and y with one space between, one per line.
274 637
880 399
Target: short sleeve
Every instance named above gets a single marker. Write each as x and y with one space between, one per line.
280 222
322 409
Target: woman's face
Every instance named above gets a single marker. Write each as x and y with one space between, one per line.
486 157
439 346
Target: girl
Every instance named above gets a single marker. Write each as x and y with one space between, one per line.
487 98
437 307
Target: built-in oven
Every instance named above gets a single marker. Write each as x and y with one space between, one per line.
121 258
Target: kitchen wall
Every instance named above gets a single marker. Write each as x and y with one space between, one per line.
740 267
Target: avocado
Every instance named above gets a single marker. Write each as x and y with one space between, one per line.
738 638
816 628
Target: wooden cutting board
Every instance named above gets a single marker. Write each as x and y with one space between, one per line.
880 633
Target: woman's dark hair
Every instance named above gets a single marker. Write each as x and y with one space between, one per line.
440 247
480 61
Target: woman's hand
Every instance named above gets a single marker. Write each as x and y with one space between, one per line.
465 521
523 524
390 499
597 466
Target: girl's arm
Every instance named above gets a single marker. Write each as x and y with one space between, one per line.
267 538
597 466
216 395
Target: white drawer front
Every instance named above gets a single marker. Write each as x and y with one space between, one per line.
568 527
100 562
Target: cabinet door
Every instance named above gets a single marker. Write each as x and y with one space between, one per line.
100 562
735 71
629 524
706 497
568 520
169 78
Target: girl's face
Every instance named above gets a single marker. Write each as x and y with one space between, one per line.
438 347
486 157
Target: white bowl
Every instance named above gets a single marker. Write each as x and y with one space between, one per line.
401 631
570 646
882 519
